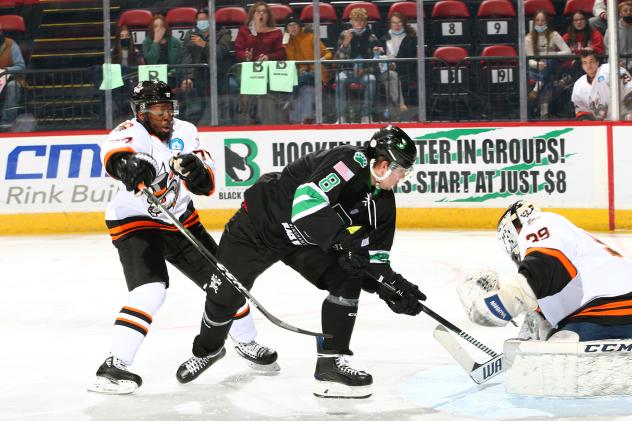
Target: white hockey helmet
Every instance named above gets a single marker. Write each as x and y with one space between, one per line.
510 223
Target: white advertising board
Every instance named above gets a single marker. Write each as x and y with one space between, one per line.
558 166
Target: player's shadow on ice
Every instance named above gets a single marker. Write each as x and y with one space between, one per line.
190 401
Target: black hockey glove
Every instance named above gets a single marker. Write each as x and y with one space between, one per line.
133 169
354 263
401 296
191 169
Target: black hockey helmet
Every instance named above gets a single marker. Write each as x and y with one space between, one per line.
394 145
150 92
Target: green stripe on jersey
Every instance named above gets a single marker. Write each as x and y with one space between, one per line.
308 199
379 256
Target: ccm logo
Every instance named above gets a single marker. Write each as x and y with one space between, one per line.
608 347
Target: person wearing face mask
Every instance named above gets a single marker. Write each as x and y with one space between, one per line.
11 60
399 42
195 80
357 42
543 40
624 32
129 57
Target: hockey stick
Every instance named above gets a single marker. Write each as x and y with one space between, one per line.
223 271
480 373
440 319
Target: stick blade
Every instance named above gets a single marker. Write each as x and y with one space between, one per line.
443 336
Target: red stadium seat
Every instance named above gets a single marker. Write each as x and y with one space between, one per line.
182 16
135 18
9 4
407 8
451 23
280 11
450 9
12 23
371 9
572 6
532 6
499 51
496 23
496 8
231 16
327 13
451 54
499 83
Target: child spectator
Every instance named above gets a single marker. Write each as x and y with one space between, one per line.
399 42
358 42
543 40
300 47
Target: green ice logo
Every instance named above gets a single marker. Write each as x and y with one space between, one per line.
239 155
360 159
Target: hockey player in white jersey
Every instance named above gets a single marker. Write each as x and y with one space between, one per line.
566 278
591 92
155 149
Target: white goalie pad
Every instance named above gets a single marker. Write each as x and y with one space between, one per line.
568 369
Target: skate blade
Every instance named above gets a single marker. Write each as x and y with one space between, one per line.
265 367
340 391
105 385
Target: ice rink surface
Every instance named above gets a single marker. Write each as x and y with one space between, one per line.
60 296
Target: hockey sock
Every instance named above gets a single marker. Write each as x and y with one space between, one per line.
243 328
133 321
338 319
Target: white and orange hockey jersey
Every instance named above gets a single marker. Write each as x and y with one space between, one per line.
128 212
574 274
594 97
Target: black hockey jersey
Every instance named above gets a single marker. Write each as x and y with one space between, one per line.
315 199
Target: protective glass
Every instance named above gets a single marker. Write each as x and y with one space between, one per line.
401 172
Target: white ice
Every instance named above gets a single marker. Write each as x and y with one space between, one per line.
60 295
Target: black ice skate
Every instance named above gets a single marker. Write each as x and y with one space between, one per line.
258 356
113 378
194 366
335 379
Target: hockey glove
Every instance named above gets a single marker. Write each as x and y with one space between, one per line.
401 296
133 169
354 263
193 171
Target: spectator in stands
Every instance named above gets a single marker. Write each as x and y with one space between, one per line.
300 47
591 92
259 40
399 42
11 60
195 80
160 47
624 32
124 52
580 37
358 42
599 21
543 40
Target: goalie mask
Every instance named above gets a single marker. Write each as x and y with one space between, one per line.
510 224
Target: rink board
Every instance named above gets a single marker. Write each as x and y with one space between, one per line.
466 174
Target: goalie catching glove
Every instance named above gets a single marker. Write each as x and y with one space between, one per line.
133 169
192 170
488 302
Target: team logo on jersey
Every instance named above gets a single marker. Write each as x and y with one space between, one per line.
360 158
176 144
601 78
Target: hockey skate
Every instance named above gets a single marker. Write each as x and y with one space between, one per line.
114 378
258 356
194 366
336 379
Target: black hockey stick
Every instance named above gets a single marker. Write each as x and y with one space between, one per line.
223 271
440 319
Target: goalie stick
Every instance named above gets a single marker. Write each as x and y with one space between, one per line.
478 372
222 270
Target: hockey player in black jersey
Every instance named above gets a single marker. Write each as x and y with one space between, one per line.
307 216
